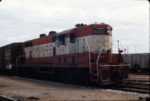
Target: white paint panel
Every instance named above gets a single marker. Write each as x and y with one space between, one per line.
44 50
96 42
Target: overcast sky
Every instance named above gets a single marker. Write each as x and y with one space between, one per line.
22 20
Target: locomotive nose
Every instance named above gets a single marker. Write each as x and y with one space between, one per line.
113 73
118 76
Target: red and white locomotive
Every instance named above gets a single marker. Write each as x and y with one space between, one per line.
82 53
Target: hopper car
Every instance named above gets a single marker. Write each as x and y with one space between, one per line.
83 53
139 62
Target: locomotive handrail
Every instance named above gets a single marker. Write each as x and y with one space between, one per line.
97 61
89 51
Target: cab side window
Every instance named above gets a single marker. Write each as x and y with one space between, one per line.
61 39
72 38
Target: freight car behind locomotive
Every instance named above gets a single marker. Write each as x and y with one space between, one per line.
9 55
140 62
82 53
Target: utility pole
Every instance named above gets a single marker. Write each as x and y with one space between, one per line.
118 45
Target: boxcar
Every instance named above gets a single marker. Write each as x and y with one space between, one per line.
10 54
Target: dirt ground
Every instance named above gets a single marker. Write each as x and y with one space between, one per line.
28 90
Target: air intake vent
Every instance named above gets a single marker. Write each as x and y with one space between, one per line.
42 35
80 25
52 32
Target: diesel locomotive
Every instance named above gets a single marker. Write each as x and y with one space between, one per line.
83 53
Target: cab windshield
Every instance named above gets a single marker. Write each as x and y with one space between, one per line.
100 31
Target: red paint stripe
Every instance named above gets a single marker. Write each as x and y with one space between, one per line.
79 58
80 32
115 65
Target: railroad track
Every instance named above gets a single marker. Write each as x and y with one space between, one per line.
143 89
135 85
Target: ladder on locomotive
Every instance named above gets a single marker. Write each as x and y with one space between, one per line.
93 75
96 74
